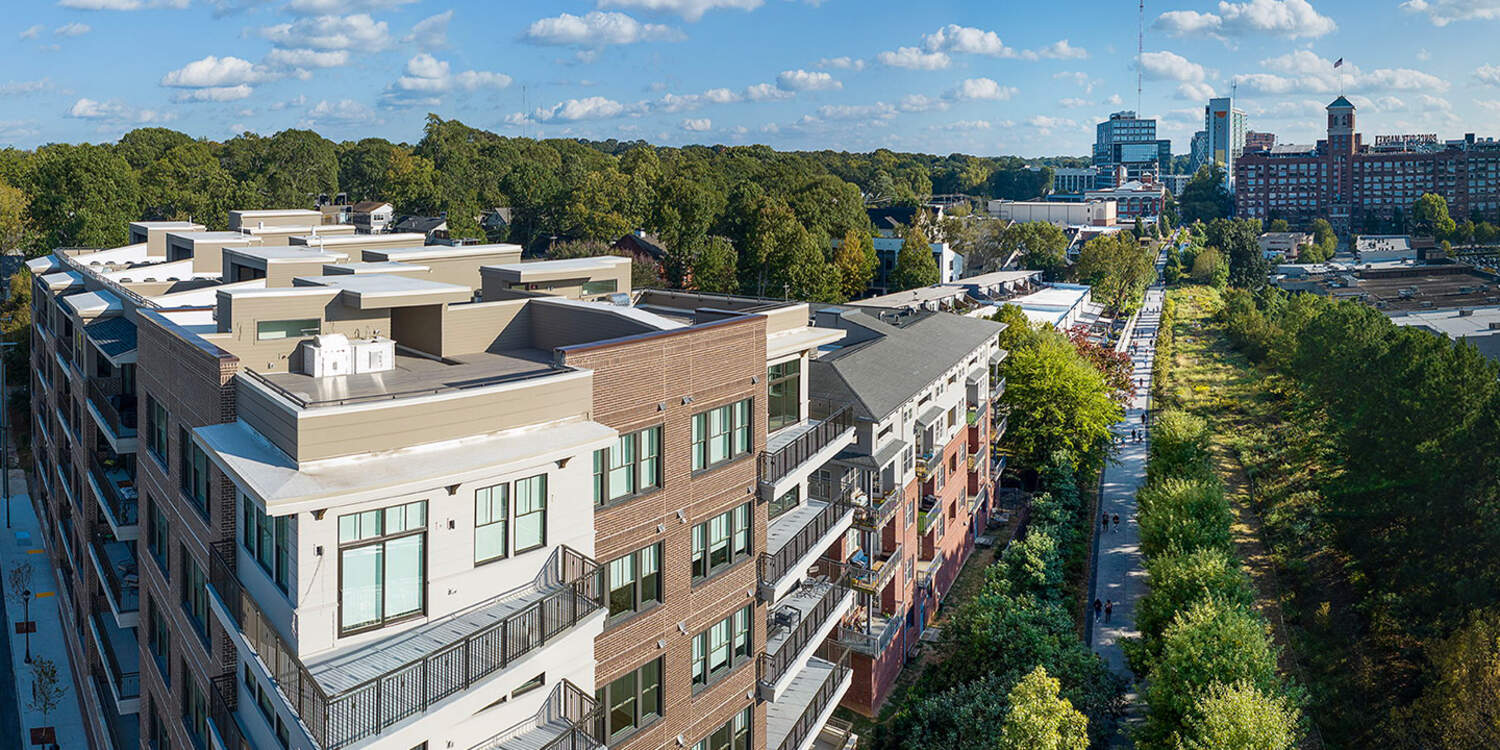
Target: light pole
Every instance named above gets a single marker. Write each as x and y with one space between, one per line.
26 601
5 427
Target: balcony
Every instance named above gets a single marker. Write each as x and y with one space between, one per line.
570 720
116 565
809 701
791 447
871 576
124 729
800 533
976 503
115 489
927 570
121 655
1000 426
803 618
870 633
223 724
879 508
837 734
932 514
998 389
360 692
116 415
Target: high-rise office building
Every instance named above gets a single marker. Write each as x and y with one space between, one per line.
1198 151
1225 127
1130 141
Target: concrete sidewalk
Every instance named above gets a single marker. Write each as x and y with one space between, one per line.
22 543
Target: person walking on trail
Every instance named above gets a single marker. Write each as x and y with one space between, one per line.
1098 607
1109 610
1117 523
1104 523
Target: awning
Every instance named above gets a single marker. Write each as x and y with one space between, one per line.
858 457
998 357
114 337
930 416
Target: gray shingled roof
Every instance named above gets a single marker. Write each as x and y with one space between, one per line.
880 375
114 335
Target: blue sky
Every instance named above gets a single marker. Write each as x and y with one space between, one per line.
974 77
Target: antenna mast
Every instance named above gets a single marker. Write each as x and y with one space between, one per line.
1140 53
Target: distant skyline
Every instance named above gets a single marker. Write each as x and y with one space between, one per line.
939 77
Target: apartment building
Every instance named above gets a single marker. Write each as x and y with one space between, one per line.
343 495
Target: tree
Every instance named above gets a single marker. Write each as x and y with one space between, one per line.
1116 367
1459 708
642 273
1172 271
188 184
47 687
81 196
1207 644
1205 197
1180 515
855 260
1020 184
17 580
1057 400
1178 581
1040 720
1209 267
1429 216
1279 225
914 264
1241 717
1239 240
1118 269
143 146
714 267
1042 247
15 225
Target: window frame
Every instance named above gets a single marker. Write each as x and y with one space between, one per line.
540 509
195 593
738 525
735 734
193 474
382 538
308 327
641 718
787 375
645 463
158 536
734 636
157 416
503 521
265 536
640 601
737 434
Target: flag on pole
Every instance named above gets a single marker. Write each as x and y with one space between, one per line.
1338 63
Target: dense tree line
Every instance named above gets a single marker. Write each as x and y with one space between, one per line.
1406 490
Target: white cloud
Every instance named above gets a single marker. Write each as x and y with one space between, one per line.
876 111
31 32
1045 125
597 29
842 63
430 32
1488 74
1489 105
972 41
1195 91
1073 102
24 87
1424 55
914 59
216 94
963 125
341 111
590 108
803 80
1078 77
691 10
698 125
122 4
72 29
116 112
427 78
1291 19
720 96
761 92
981 89
214 71
1114 100
324 7
1306 72
1170 66
307 58
1444 12
921 103
357 32
1062 50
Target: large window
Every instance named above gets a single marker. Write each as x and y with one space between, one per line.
156 535
721 648
156 429
635 580
193 470
531 513
721 541
268 540
159 639
491 523
269 330
734 735
784 395
194 708
629 467
382 566
195 593
601 286
721 434
788 500
633 700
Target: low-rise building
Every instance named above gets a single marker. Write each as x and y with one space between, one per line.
1098 213
1135 199
1286 244
372 217
1061 306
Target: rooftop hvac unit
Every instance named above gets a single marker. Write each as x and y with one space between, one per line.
374 355
1465 312
327 355
1495 325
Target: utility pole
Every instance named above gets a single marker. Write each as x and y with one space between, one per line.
1140 52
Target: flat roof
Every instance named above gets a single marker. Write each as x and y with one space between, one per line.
420 252
1053 296
268 212
92 303
414 376
167 224
213 236
388 290
297 253
401 239
549 270
373 266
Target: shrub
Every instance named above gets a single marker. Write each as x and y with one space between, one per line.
1207 644
1183 515
1179 443
1176 582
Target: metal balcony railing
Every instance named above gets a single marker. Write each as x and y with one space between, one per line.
1000 425
774 565
126 682
807 722
223 696
774 665
121 501
879 508
367 709
121 572
872 639
931 515
929 575
835 419
575 715
998 389
118 409
873 577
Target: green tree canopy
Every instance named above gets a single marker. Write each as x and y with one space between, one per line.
1241 717
1429 216
81 196
915 266
1040 720
1058 401
855 262
714 267
1118 268
1042 246
188 184
1208 644
1205 197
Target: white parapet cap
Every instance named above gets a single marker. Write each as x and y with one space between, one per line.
125 254
418 252
372 266
284 487
44 265
92 304
292 253
374 291
62 280
408 239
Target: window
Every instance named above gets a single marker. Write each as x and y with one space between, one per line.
784 395
721 648
633 700
159 638
491 522
734 735
156 431
382 566
156 535
193 470
268 540
529 685
786 502
265 702
635 580
195 593
602 286
269 330
721 541
629 467
721 434
194 709
531 513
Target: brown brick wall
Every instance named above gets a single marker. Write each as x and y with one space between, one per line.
638 383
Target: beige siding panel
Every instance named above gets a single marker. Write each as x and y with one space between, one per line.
419 328
270 419
487 326
555 325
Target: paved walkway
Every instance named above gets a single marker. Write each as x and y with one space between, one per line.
22 543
